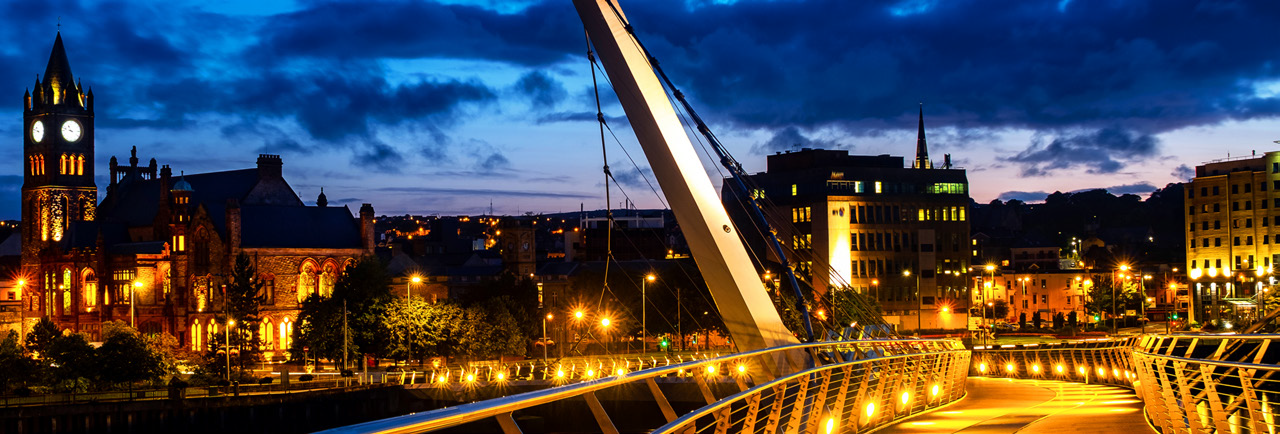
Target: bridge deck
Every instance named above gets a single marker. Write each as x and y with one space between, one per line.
995 405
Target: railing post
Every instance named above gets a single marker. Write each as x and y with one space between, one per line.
508 424
667 412
597 410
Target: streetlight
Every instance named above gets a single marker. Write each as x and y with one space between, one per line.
549 317
412 281
919 301
644 319
136 284
604 324
227 333
1115 327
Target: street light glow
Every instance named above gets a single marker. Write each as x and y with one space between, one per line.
650 277
577 314
416 279
604 322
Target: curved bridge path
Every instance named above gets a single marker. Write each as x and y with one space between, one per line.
998 405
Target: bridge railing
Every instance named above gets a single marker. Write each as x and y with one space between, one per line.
851 396
1098 361
853 374
1209 383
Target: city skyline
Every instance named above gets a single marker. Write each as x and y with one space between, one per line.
442 108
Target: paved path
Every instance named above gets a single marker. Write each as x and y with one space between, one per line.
997 405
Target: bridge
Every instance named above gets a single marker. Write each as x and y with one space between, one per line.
1163 383
842 382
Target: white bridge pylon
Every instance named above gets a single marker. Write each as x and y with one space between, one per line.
739 293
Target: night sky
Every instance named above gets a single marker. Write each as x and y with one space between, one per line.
424 107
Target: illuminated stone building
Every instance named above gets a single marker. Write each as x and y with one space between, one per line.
159 248
884 228
1232 207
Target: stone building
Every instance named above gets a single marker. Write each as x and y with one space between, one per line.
157 251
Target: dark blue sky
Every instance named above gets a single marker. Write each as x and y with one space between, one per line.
429 107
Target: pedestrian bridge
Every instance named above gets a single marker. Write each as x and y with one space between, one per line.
1165 383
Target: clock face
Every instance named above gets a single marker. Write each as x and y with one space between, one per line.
71 130
37 131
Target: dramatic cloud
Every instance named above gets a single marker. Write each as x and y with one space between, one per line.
1141 188
1096 152
1183 173
790 139
541 89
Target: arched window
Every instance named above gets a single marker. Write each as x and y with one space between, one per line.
268 334
212 332
62 164
328 278
40 164
66 291
80 165
197 335
286 334
89 292
306 281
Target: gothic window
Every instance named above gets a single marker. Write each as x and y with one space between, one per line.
211 332
62 164
306 281
286 334
196 336
328 278
66 291
40 164
268 289
80 165
267 331
90 289
200 292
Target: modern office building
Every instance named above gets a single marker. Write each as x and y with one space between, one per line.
873 224
1232 205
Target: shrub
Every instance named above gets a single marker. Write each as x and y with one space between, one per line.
22 391
177 383
306 377
266 380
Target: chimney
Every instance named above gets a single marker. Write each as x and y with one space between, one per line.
270 166
366 228
946 161
165 174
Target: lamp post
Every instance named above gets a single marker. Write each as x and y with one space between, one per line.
991 269
604 326
919 301
549 317
644 319
227 336
1115 328
136 284
412 281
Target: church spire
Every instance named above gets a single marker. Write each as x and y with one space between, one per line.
57 75
922 149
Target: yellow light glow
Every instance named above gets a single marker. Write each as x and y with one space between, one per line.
620 372
871 409
935 390
1082 370
502 376
22 282
591 373
604 322
1124 267
442 379
711 369
982 367
1059 368
1035 368
831 425
650 277
1102 372
1008 367
906 397
416 279
1115 372
559 373
742 369
471 378
991 268
945 309
577 314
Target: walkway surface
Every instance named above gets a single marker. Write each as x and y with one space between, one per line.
998 405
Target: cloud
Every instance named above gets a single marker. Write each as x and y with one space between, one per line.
283 146
1025 196
1140 188
620 121
630 176
1097 152
790 139
1183 172
493 162
542 90
485 192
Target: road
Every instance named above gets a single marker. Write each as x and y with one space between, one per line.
997 405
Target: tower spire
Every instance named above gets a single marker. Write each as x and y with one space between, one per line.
57 75
922 149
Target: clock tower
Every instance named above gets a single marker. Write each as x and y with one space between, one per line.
57 165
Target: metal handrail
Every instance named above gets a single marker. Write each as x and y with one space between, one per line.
683 422
498 407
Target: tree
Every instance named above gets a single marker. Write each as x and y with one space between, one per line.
244 301
15 367
1071 319
126 358
73 363
1058 321
1022 321
416 329
43 334
998 310
489 330
1035 320
364 288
